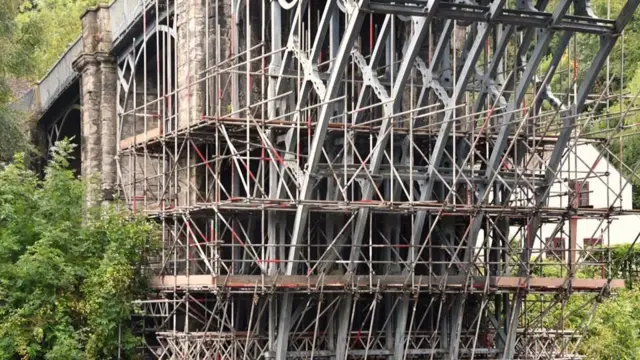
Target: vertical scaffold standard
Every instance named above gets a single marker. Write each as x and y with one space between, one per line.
367 179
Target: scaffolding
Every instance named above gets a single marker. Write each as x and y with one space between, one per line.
366 179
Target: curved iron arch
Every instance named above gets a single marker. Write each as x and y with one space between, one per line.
55 128
130 61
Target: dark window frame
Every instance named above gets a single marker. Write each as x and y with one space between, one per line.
591 242
556 247
581 192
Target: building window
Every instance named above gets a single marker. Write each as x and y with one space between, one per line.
581 192
590 242
555 248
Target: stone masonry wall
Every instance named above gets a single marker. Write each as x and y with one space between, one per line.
97 96
190 47
191 60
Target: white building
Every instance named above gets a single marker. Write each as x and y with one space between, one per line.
593 183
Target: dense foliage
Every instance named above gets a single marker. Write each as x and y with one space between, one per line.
13 137
16 46
614 331
67 278
610 324
57 25
15 62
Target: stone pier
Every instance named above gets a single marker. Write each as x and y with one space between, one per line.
98 98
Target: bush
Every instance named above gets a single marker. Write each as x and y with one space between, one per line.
68 276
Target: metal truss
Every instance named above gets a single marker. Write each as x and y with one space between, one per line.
364 179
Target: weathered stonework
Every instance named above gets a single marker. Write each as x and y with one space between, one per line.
219 51
90 98
190 47
108 117
98 99
191 61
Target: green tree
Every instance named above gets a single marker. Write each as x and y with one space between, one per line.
614 331
68 276
60 18
33 35
16 47
13 136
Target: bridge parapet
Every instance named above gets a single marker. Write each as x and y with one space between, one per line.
122 15
61 76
